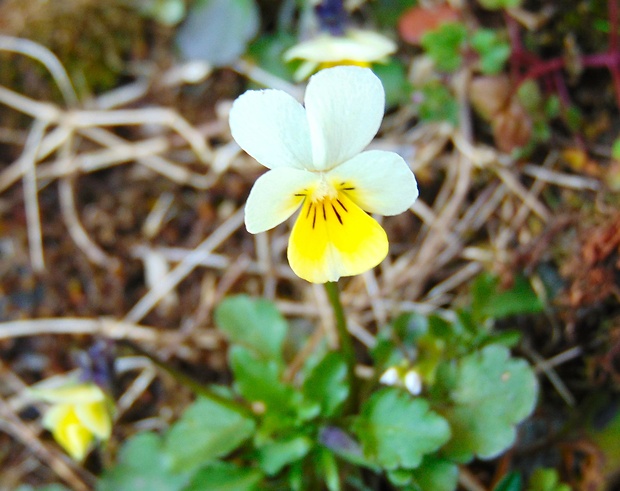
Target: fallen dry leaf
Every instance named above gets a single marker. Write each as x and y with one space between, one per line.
417 21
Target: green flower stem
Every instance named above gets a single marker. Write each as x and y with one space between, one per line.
195 386
345 340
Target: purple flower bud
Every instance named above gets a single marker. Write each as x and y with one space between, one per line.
332 16
337 440
97 364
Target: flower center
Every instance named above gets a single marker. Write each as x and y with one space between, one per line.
324 190
326 202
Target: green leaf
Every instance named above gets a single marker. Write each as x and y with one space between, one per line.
437 104
400 477
259 380
387 12
218 31
510 482
397 431
267 52
490 393
167 12
500 4
574 118
327 467
530 96
493 51
327 384
51 487
296 477
207 430
393 76
255 324
546 480
444 45
604 430
490 302
274 456
222 476
142 466
410 327
615 149
553 106
434 474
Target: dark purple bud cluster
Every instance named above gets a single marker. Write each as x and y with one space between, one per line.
332 16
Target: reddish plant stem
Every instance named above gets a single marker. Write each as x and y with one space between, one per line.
516 47
520 58
612 9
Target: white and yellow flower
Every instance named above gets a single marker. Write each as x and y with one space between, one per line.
356 47
316 161
80 413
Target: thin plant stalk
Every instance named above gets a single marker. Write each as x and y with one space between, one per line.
345 340
191 383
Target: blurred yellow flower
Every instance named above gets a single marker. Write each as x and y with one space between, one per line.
79 414
355 47
317 163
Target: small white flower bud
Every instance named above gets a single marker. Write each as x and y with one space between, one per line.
413 382
390 377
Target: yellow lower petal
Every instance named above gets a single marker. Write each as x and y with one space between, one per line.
96 418
68 431
331 64
334 237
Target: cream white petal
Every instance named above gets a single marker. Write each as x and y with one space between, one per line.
271 126
383 182
345 106
305 69
80 393
356 46
273 197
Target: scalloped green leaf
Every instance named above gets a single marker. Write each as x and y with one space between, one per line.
444 45
436 474
510 482
51 487
142 466
274 456
489 301
327 466
490 393
327 384
393 76
396 430
253 323
222 476
433 474
546 480
493 50
207 430
259 380
267 51
500 4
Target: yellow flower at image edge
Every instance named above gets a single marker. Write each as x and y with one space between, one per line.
79 415
317 163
